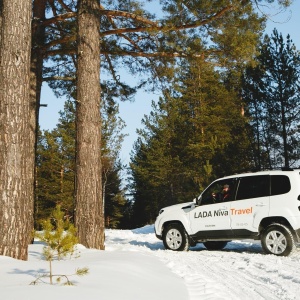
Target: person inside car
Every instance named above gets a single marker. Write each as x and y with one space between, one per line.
225 193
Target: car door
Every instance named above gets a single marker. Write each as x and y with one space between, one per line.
250 206
211 218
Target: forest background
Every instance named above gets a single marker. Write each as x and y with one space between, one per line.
286 22
124 209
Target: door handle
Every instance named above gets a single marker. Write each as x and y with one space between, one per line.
261 204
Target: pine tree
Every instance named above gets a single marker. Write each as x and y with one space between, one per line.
56 165
48 177
112 138
193 135
273 92
59 235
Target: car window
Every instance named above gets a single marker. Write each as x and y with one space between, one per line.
253 187
218 192
280 184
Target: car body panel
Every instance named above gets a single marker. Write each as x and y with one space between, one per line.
240 217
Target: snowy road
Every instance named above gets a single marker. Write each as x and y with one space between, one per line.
135 266
240 271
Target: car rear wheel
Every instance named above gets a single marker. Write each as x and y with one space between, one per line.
175 238
277 239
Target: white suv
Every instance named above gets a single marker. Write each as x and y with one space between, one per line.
261 206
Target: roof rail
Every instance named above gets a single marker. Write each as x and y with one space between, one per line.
287 169
254 170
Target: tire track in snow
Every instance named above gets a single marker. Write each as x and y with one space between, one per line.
228 274
240 271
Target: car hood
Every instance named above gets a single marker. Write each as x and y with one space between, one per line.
178 206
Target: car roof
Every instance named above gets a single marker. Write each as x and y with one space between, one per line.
266 172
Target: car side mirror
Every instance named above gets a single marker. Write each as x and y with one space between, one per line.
197 200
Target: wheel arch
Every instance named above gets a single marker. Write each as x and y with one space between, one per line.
167 223
273 220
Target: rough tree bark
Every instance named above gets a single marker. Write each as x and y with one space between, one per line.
89 209
16 167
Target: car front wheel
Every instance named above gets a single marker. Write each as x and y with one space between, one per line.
175 238
277 239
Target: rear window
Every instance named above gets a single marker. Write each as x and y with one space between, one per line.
280 184
253 187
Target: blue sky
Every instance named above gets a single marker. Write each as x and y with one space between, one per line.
287 22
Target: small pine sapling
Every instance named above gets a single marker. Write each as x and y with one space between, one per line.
59 235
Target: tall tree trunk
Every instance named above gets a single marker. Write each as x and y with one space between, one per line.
284 133
36 74
16 165
89 208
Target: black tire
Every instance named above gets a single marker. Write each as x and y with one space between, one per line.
175 238
215 245
277 239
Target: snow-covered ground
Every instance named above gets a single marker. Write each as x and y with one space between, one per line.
135 266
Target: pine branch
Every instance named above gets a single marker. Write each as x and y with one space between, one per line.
162 54
54 52
128 15
115 77
122 35
120 31
67 8
165 28
154 24
53 8
153 54
79 272
58 18
63 40
133 53
51 78
105 12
